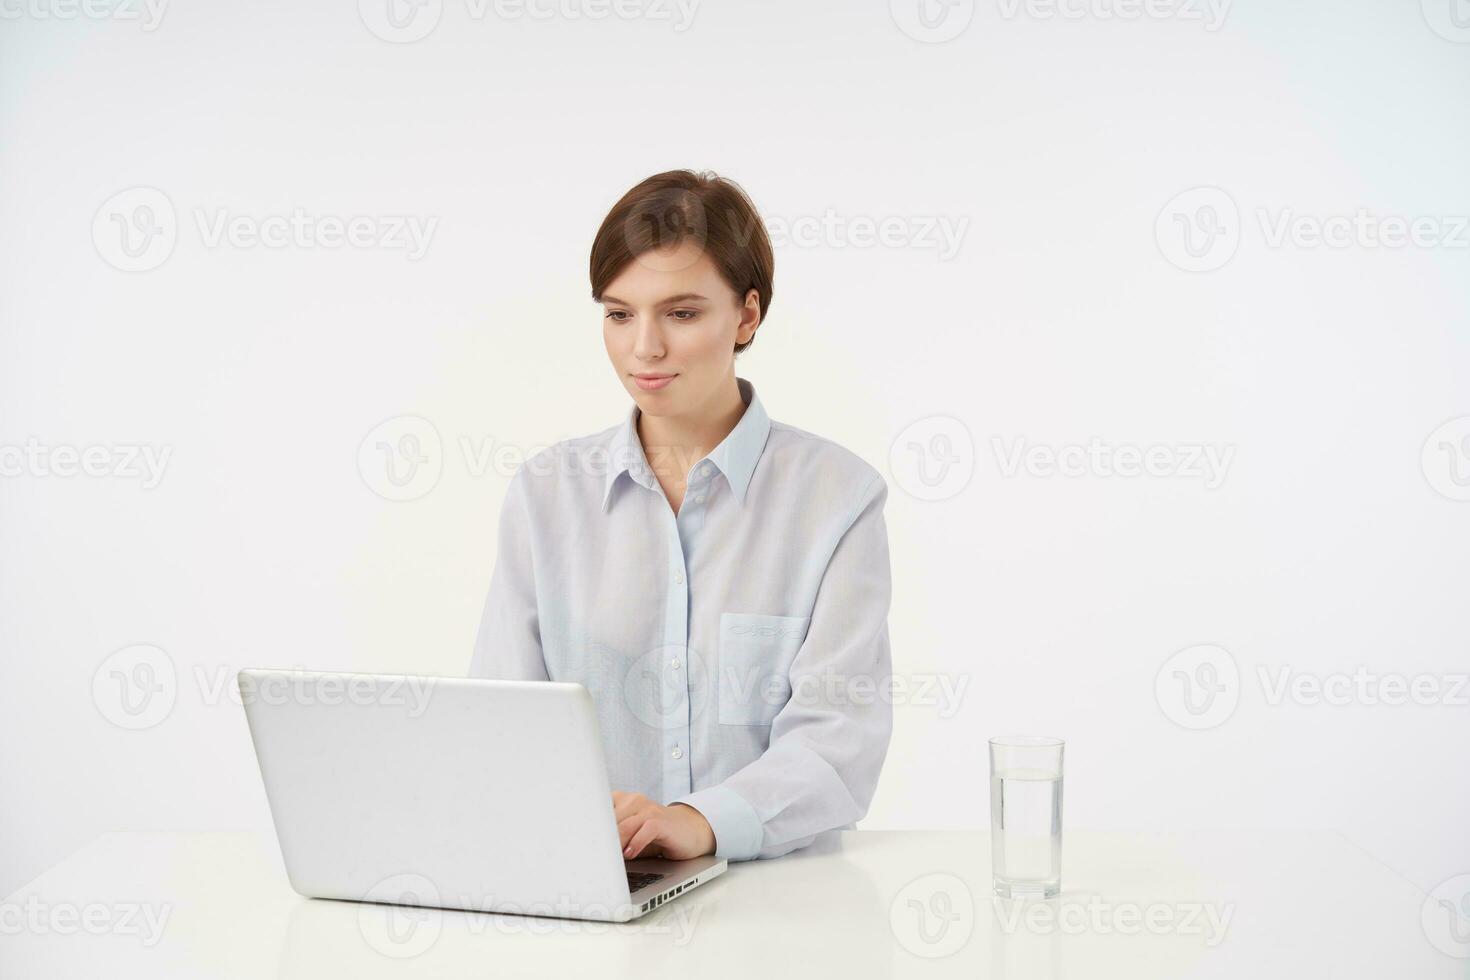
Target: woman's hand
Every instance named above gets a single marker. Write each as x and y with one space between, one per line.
647 829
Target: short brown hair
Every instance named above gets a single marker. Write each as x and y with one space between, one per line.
666 210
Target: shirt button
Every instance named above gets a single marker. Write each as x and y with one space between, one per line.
704 470
678 753
699 498
679 577
675 663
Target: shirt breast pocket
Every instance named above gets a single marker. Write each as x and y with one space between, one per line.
756 652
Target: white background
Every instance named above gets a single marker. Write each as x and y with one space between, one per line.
1056 142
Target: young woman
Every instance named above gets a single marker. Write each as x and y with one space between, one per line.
717 580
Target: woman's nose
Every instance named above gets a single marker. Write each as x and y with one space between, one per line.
649 341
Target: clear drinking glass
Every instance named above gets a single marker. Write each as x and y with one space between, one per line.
1026 816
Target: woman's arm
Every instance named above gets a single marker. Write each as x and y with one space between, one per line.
508 645
828 742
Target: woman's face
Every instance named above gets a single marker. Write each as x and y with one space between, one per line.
671 323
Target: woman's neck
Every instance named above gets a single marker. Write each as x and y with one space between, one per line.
674 443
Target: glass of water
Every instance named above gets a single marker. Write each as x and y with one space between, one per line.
1026 816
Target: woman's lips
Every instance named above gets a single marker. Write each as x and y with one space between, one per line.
653 384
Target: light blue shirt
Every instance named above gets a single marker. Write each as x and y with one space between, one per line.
738 652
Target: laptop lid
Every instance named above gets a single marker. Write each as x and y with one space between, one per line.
439 791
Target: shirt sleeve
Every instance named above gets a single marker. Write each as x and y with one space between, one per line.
508 644
828 742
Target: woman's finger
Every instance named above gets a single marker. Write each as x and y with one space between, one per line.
652 831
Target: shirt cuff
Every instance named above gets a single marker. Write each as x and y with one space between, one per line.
738 832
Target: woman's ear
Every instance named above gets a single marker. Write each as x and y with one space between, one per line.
750 317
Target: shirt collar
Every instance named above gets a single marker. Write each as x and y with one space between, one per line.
736 456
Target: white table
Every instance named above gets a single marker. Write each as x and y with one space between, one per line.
1299 905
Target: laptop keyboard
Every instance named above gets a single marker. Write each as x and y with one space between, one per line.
641 879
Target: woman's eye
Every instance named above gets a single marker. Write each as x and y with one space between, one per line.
685 314
617 315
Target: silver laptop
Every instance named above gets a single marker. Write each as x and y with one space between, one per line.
448 792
